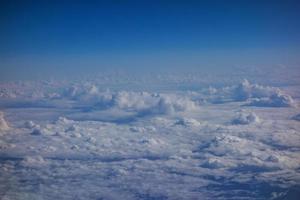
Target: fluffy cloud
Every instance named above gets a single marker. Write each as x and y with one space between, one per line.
296 117
145 102
187 122
29 124
245 90
134 100
183 142
253 94
275 100
244 117
170 104
3 124
36 131
140 102
33 162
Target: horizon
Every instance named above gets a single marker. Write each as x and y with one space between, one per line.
53 38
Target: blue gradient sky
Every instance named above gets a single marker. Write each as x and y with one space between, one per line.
40 38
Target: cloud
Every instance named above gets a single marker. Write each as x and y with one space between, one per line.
135 101
214 163
296 117
187 122
33 162
276 100
168 104
128 104
124 136
245 90
36 132
244 117
3 124
252 94
29 124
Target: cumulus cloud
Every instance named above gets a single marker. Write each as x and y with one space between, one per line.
134 100
143 103
187 122
296 117
245 90
6 93
169 104
3 124
151 103
87 94
253 94
213 163
36 131
276 100
245 117
63 121
29 124
33 161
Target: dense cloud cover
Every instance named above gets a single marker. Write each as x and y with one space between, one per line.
83 139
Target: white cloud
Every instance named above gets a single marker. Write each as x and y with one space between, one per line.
29 124
33 161
171 138
252 94
275 100
36 131
245 90
243 117
3 124
187 122
296 117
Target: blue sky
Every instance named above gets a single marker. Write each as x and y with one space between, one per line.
42 38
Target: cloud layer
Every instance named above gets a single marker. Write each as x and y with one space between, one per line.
84 140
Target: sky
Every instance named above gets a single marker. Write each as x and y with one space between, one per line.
62 38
